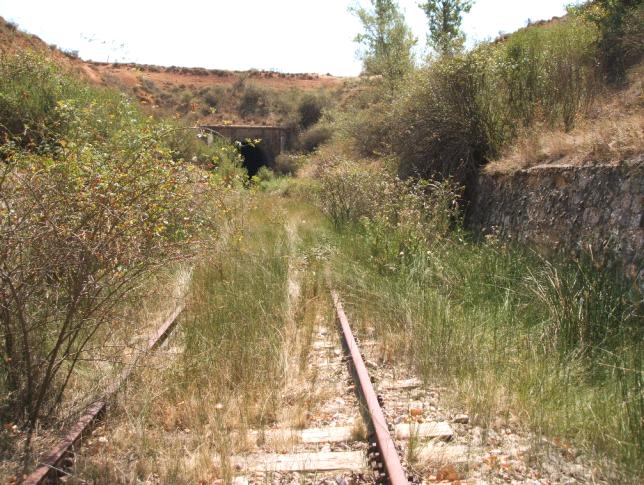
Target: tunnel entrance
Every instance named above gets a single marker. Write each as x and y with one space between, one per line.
254 158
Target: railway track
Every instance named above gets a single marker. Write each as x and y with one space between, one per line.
348 439
53 466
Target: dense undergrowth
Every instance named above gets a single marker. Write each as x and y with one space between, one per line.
243 336
458 112
545 343
95 198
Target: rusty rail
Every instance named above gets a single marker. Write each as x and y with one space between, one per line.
387 453
50 467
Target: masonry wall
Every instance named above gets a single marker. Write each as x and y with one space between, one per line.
565 208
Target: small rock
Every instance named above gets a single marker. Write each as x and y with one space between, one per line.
461 419
102 440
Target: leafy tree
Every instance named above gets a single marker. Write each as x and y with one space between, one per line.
386 42
445 16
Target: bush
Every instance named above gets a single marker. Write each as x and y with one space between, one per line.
310 111
253 102
441 127
459 112
314 137
619 44
288 164
190 145
365 129
85 215
213 96
265 174
30 88
381 204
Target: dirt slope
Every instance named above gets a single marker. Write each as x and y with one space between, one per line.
175 90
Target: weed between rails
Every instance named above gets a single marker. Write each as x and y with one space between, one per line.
229 367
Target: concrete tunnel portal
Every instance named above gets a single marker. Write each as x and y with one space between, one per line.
273 140
254 157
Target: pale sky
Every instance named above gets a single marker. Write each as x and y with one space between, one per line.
285 35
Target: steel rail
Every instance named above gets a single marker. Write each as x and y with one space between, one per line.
47 471
388 454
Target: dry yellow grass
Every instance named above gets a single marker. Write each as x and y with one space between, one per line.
612 133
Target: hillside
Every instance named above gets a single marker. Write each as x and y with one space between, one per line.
208 96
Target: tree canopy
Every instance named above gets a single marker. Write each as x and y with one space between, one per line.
387 41
444 17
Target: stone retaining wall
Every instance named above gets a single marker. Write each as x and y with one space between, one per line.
565 208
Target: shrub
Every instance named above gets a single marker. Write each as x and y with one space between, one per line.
264 174
288 164
310 111
441 127
366 129
380 203
314 137
619 43
30 88
214 95
187 143
85 215
253 102
547 71
459 112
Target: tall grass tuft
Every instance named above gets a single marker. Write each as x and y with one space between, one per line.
233 331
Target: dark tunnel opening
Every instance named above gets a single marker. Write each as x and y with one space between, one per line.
254 158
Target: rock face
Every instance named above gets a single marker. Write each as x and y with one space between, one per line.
566 208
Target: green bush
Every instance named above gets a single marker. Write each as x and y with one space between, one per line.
382 204
459 112
253 102
366 128
288 164
94 199
310 110
30 89
621 30
214 96
442 126
314 137
547 72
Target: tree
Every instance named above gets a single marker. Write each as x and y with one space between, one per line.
387 41
445 16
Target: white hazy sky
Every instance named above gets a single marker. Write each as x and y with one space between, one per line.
286 35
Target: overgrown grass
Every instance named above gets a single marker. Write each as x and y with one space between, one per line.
241 341
517 339
234 325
